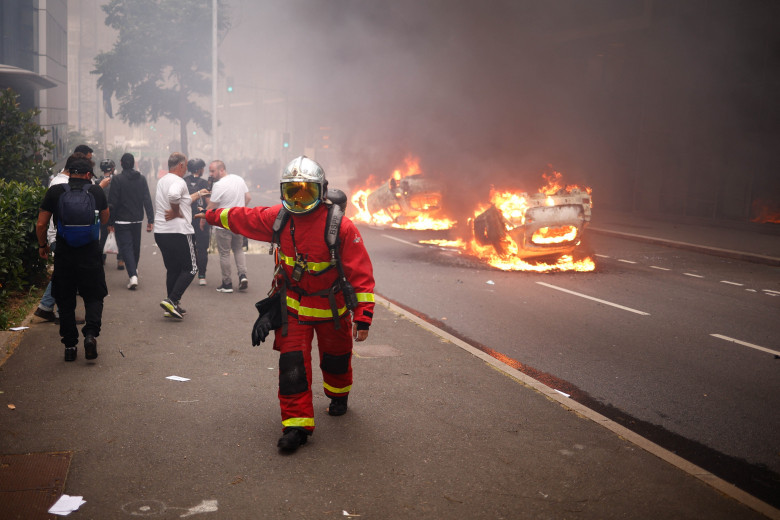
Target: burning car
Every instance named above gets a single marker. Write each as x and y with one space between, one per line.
538 225
407 200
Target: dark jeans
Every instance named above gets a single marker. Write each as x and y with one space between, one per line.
178 255
79 270
202 237
128 240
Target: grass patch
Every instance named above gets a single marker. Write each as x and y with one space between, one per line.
19 305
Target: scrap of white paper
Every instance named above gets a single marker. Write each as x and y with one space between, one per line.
66 505
490 282
18 328
177 378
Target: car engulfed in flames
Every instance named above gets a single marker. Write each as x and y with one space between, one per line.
538 225
542 232
515 231
407 200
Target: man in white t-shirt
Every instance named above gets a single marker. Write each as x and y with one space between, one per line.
229 191
173 232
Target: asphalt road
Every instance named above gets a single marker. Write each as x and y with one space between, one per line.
635 339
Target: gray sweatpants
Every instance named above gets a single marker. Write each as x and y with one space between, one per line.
227 241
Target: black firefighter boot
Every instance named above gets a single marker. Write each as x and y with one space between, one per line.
338 405
293 438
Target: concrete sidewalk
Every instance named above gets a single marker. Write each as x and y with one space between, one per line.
435 429
747 241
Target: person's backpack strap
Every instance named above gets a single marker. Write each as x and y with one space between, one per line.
335 214
281 220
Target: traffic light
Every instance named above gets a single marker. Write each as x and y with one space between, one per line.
230 84
286 140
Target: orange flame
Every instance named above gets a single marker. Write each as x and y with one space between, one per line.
419 221
513 207
765 212
554 235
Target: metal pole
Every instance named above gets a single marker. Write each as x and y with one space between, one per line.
214 141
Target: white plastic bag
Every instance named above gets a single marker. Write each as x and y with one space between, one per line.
110 248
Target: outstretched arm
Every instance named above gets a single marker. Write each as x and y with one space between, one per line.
255 223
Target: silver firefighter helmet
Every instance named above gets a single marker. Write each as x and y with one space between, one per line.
303 185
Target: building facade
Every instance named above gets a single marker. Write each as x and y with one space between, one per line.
33 61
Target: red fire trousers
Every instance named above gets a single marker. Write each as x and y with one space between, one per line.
335 351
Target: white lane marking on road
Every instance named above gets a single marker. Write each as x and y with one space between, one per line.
770 291
402 241
626 261
602 256
694 275
629 309
660 268
746 344
732 283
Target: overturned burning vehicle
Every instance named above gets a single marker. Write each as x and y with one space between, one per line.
542 224
407 202
406 198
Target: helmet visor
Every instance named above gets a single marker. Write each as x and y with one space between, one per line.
300 197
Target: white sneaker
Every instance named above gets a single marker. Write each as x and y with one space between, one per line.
133 283
201 281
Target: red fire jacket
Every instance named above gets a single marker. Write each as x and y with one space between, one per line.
309 240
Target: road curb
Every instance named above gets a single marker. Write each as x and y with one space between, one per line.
715 251
10 339
691 469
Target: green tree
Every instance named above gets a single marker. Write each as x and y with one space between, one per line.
23 145
161 61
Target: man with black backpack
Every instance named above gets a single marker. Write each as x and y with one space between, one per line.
79 208
323 285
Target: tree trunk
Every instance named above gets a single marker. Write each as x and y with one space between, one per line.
183 119
183 136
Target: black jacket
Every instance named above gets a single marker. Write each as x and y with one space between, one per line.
195 184
128 197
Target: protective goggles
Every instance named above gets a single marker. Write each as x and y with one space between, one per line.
300 197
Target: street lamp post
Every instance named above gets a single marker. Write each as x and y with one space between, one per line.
214 141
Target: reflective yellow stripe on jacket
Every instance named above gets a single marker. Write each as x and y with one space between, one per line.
365 297
311 311
223 218
310 266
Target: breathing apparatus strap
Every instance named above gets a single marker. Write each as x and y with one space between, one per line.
279 274
335 214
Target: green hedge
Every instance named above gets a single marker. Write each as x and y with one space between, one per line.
20 265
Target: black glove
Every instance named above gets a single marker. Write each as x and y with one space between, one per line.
261 329
270 318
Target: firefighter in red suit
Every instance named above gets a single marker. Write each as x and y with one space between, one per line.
312 300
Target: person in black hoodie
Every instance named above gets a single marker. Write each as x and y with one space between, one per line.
128 198
196 182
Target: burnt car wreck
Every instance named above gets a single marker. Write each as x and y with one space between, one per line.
405 199
550 225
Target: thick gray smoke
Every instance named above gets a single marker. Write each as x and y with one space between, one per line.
612 93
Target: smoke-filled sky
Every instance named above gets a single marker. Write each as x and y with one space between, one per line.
497 92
